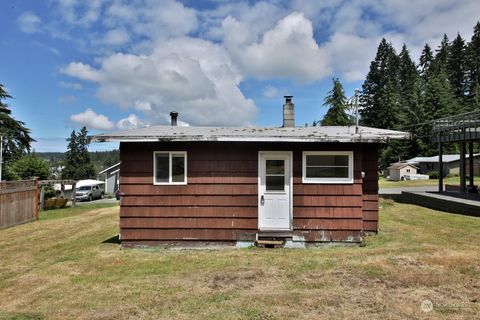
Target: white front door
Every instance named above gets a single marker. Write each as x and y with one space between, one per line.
274 190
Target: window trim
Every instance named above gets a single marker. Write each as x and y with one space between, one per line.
348 180
170 182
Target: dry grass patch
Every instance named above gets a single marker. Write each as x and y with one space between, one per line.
65 267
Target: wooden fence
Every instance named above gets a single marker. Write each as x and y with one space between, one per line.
18 202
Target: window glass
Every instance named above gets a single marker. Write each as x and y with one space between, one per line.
327 160
162 163
327 172
178 167
275 175
327 167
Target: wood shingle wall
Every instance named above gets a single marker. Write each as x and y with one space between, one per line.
219 202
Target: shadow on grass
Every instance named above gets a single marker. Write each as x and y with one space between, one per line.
21 316
114 239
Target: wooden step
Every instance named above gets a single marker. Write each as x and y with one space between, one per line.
274 234
270 242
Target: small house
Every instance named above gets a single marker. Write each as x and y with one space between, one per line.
238 185
112 175
451 164
398 170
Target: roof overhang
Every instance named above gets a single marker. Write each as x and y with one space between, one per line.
251 134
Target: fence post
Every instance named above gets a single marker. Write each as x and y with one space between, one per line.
36 198
74 194
42 198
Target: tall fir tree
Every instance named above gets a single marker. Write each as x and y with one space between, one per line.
411 113
380 97
337 103
77 158
473 69
426 59
441 56
457 68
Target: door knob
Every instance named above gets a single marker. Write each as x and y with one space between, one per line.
262 200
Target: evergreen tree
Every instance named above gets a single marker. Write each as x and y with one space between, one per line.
337 103
473 69
411 113
380 97
30 166
441 56
77 158
456 68
426 61
17 138
439 101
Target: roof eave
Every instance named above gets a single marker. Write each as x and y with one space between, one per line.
357 139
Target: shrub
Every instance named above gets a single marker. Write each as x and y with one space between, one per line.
433 174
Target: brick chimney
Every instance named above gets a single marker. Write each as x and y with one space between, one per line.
173 118
288 112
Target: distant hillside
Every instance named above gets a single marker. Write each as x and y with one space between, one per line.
100 159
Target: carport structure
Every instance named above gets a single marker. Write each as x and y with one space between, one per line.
463 129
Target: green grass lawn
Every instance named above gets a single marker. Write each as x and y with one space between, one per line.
64 267
384 183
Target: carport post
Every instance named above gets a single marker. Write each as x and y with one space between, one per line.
470 164
440 167
463 171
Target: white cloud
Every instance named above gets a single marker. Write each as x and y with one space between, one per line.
116 37
289 50
350 55
29 22
81 71
270 92
192 76
92 120
71 85
130 122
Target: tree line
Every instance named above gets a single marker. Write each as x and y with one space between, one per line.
18 162
401 94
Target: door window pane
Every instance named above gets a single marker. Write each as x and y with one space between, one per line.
275 175
162 162
275 183
178 168
275 167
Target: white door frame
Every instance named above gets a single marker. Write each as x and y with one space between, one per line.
289 154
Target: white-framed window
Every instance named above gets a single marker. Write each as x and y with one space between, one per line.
327 167
408 170
169 167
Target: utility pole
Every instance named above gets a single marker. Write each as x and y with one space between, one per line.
352 104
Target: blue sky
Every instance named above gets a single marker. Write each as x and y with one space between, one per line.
114 65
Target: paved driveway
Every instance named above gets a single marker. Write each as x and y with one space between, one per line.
410 189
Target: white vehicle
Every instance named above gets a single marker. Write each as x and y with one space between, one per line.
416 177
89 193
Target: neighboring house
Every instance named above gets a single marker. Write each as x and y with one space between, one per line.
451 164
398 170
112 175
242 184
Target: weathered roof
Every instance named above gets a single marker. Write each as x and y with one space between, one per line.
253 134
401 165
445 158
